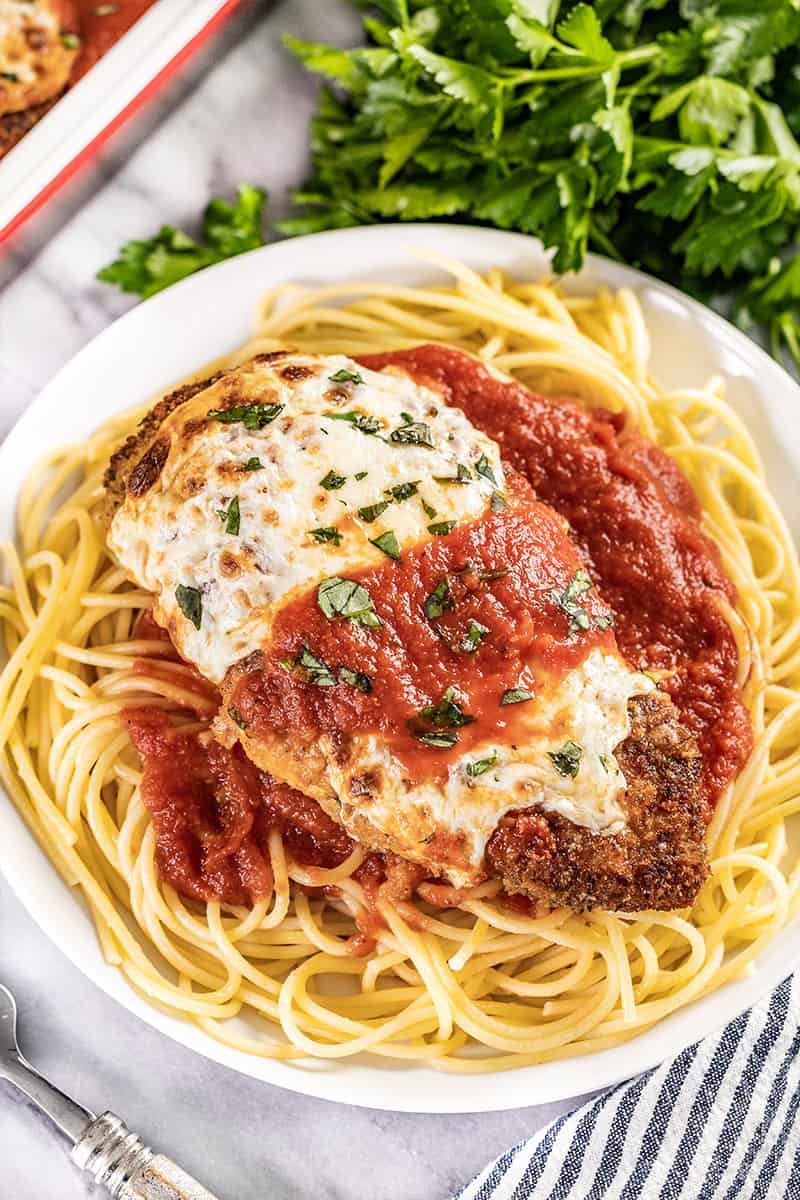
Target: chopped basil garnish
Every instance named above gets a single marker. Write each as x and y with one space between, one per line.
604 621
326 533
481 765
568 601
237 717
497 502
9 76
358 420
439 600
361 475
190 602
447 714
388 543
462 475
356 679
402 491
230 516
516 695
253 464
442 740
474 636
412 433
332 482
347 599
567 760
252 416
483 467
428 509
345 376
492 573
440 528
70 40
371 511
608 765
309 668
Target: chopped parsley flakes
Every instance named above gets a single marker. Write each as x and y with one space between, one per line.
237 718
402 491
481 765
252 416
230 516
332 482
190 602
326 533
356 679
569 604
345 376
567 760
359 420
387 542
370 512
473 637
439 600
447 714
346 599
483 468
306 667
412 433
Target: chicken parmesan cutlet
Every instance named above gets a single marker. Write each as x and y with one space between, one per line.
402 631
38 47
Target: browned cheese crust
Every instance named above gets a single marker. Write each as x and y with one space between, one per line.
659 862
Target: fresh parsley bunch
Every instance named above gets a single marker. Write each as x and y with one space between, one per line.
662 133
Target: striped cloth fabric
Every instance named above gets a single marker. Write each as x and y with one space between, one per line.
719 1122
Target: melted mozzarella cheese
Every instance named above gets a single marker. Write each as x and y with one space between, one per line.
588 708
175 534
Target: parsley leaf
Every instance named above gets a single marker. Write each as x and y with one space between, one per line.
326 533
481 765
307 668
146 267
346 599
332 482
230 516
359 421
344 376
568 601
190 602
357 679
387 542
252 416
567 760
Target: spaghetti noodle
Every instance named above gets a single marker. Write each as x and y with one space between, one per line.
478 986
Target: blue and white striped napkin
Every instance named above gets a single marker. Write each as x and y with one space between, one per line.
719 1122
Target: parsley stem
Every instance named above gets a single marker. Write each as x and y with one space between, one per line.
625 60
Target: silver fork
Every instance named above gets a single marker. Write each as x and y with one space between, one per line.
104 1146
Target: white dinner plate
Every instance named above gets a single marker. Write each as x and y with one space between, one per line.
212 313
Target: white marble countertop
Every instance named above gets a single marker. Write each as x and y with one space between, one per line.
239 114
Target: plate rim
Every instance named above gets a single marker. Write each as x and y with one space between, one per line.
434 1092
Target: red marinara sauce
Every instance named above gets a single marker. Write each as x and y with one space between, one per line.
212 812
636 521
503 575
101 25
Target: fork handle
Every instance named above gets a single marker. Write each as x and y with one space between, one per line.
119 1161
